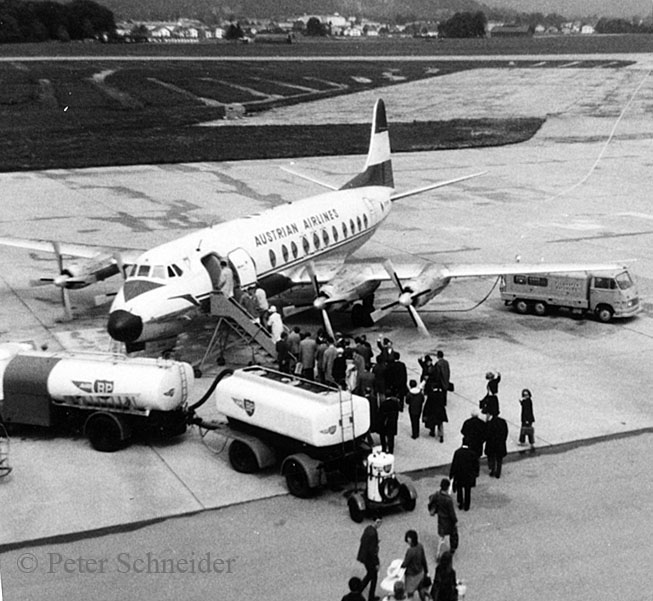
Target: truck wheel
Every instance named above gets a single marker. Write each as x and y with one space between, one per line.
407 497
297 479
105 432
242 458
540 308
604 313
522 306
356 506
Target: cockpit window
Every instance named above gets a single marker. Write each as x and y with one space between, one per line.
171 272
178 270
132 271
159 272
143 271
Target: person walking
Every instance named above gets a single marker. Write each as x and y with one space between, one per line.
283 353
495 444
415 402
414 563
445 584
389 415
275 324
368 555
441 504
435 411
527 419
307 355
463 473
262 304
396 378
473 430
226 279
442 374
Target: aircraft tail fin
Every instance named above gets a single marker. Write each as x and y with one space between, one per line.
378 166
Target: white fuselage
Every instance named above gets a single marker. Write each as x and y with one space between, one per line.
272 248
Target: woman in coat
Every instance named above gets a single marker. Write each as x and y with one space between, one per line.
444 581
414 563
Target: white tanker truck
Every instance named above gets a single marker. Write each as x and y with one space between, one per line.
316 432
109 397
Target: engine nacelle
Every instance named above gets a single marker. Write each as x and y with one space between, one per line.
420 290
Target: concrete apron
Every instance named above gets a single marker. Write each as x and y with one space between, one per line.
548 198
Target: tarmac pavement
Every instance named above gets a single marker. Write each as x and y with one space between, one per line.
578 191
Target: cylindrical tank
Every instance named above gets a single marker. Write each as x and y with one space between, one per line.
380 466
32 379
309 412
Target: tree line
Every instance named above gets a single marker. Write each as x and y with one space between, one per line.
42 21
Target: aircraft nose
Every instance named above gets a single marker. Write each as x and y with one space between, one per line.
124 326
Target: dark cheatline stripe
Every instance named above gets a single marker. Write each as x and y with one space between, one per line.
375 175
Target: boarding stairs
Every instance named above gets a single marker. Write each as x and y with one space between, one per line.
234 319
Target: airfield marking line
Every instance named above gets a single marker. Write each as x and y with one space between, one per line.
607 142
174 88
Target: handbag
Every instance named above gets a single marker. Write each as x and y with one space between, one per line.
450 388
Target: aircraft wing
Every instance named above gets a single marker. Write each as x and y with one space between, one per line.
72 250
483 270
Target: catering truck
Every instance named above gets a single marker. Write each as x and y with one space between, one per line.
314 431
109 397
604 294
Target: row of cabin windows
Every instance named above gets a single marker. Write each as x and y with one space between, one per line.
317 242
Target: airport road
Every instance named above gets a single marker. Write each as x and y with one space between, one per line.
573 525
578 191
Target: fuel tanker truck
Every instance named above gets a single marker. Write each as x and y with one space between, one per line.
317 433
109 397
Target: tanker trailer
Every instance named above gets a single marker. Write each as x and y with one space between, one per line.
109 397
316 431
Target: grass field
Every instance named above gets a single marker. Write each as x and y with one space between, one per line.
103 110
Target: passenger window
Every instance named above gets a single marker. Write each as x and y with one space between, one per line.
316 240
273 258
306 245
351 226
284 252
358 223
325 237
365 221
344 229
334 231
293 248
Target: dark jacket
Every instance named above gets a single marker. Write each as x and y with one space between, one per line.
527 417
464 467
474 431
497 434
489 404
444 585
442 373
441 504
415 401
389 413
368 551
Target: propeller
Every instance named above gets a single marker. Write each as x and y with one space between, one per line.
321 300
405 299
60 281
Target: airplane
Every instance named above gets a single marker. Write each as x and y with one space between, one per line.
305 243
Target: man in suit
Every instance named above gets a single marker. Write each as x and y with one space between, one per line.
463 472
474 431
441 504
368 555
495 444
